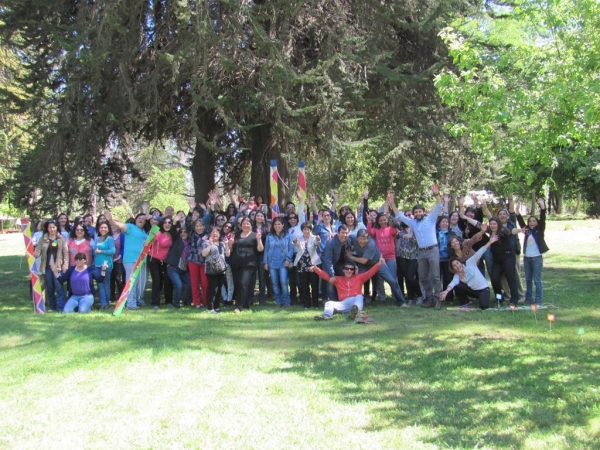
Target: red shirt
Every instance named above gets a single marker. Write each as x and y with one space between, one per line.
349 286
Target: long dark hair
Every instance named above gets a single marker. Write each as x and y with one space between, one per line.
67 223
86 233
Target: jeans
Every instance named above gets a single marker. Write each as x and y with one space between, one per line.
385 274
279 278
533 275
136 291
181 284
55 296
83 302
391 265
343 306
104 288
228 287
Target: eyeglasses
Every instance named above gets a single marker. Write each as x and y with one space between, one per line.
168 222
326 215
349 268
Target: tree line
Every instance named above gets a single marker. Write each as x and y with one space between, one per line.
367 93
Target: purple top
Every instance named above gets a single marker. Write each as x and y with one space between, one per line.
80 282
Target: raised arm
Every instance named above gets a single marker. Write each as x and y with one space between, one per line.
114 222
485 209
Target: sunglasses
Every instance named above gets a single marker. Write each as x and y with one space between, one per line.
220 219
78 229
168 222
349 268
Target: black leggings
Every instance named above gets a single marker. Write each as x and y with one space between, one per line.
215 283
407 274
506 267
463 292
160 280
243 277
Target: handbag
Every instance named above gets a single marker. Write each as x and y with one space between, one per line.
215 263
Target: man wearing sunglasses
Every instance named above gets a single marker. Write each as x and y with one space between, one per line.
349 289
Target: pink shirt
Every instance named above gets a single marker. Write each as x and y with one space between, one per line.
385 240
161 246
84 247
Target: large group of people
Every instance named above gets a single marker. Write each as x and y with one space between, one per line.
215 254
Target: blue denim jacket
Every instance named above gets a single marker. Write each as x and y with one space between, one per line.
278 250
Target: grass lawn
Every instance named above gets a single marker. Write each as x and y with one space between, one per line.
271 379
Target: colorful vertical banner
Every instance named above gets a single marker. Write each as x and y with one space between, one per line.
135 272
274 189
34 270
302 180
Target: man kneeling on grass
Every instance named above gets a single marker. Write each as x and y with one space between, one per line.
349 289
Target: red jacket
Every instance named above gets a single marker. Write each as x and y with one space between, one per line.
349 286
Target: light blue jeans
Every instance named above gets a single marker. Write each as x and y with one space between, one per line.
533 275
279 279
84 302
136 292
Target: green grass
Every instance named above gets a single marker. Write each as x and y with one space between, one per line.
272 380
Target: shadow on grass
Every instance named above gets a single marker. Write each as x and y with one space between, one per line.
467 394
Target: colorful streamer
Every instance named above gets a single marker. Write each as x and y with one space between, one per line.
34 270
137 267
274 189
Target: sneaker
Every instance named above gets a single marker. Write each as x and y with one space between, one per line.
212 311
438 304
141 303
411 303
323 317
132 308
404 305
353 312
156 307
237 310
419 301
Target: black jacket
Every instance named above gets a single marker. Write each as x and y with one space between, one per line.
537 232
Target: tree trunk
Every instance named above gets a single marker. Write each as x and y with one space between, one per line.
559 203
260 181
203 172
204 162
578 204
